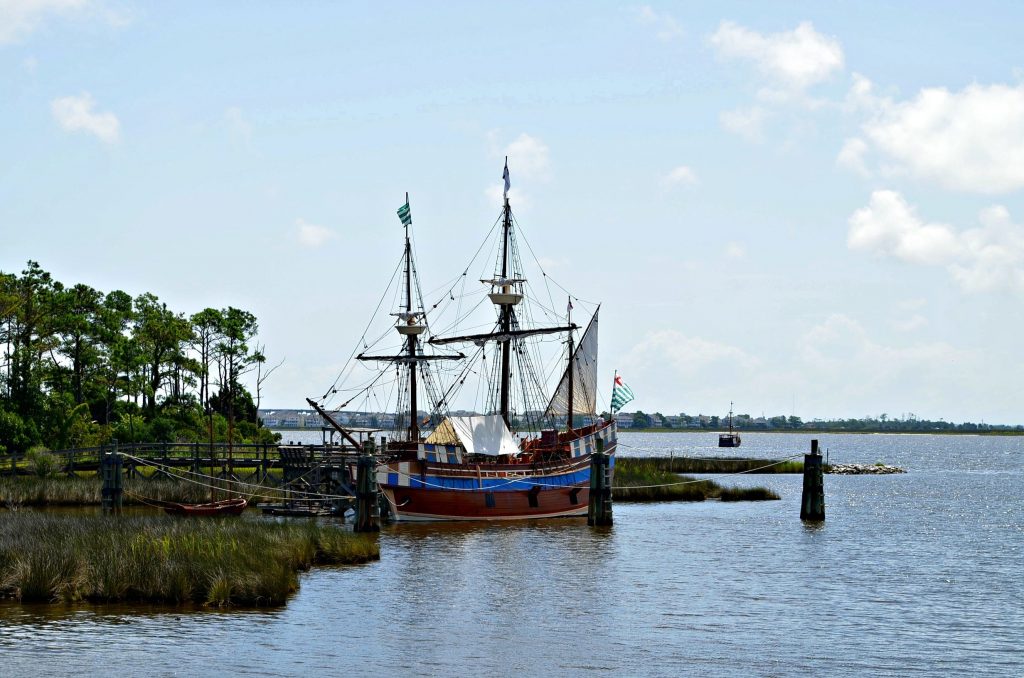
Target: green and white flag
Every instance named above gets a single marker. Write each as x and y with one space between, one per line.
405 213
621 394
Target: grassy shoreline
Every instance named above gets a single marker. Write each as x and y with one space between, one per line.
717 464
19 491
645 479
158 559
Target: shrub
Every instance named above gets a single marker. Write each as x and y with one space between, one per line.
41 463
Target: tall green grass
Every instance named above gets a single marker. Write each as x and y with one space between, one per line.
18 491
720 465
642 479
59 558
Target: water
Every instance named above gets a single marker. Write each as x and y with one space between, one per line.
910 574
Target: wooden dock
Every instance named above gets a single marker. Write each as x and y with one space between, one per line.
315 479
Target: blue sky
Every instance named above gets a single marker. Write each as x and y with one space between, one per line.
809 207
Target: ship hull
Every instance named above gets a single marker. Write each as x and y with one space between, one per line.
421 491
729 440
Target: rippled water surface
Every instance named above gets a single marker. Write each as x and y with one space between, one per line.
911 574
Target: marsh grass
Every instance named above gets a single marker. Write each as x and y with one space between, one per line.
19 491
747 494
59 558
635 476
719 465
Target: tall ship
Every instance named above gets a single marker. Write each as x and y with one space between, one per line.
528 454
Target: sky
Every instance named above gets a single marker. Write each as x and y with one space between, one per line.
805 208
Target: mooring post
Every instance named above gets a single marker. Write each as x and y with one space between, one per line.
812 502
599 508
111 466
367 511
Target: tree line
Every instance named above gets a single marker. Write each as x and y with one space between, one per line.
868 424
80 367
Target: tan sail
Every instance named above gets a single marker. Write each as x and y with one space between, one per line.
584 378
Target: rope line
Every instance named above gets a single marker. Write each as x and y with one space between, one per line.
424 483
177 474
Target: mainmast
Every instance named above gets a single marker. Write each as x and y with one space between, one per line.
570 370
414 424
506 312
506 292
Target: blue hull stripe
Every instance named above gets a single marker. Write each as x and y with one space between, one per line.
581 477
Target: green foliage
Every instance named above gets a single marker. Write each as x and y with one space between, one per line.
15 433
641 420
131 428
82 366
41 463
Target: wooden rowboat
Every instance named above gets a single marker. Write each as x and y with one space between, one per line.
226 507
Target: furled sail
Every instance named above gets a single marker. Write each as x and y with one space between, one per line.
584 378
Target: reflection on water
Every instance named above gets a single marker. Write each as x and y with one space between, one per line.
915 573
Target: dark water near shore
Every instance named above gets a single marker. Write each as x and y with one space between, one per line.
911 574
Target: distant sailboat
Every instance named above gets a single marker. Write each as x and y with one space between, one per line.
730 439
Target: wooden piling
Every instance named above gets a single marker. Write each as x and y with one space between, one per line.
812 501
111 469
599 508
367 509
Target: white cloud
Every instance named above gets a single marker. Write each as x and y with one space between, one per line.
665 25
795 59
840 346
312 235
889 226
680 176
911 323
496 194
528 157
747 123
990 257
686 356
861 96
734 250
993 256
971 140
851 156
76 114
528 160
20 18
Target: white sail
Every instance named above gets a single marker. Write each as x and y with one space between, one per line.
584 378
484 435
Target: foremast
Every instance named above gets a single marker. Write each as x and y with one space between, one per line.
410 325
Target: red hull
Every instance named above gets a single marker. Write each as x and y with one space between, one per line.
227 507
419 490
423 504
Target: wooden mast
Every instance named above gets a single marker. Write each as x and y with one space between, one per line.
414 425
568 424
506 316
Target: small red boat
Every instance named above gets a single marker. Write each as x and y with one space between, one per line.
226 507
